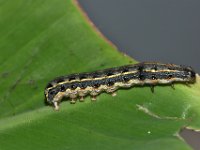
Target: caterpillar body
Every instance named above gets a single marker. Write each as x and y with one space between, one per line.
109 80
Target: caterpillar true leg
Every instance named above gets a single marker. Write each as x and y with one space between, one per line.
56 105
114 94
93 98
73 101
81 99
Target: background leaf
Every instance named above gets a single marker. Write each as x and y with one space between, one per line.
44 39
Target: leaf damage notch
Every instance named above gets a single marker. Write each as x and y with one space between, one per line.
152 114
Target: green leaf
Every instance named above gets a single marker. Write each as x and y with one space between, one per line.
43 39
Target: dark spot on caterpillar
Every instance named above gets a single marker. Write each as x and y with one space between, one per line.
62 88
154 67
125 70
49 85
60 80
190 71
153 77
170 67
95 84
125 78
169 76
72 78
73 86
110 82
82 85
82 77
95 75
140 68
141 76
109 74
52 92
193 74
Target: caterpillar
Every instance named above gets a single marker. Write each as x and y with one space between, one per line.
109 80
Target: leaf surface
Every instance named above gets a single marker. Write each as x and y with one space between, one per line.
41 40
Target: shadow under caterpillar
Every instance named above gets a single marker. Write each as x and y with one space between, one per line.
109 80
